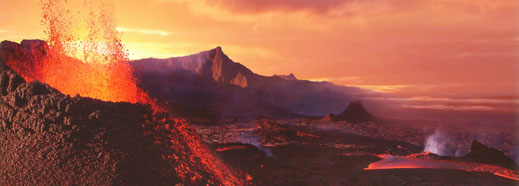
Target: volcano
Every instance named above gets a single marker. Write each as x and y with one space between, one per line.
77 140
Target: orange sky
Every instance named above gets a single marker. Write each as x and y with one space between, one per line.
409 47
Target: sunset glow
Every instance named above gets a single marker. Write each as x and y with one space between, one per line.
424 48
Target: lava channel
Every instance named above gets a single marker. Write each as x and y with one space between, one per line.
409 162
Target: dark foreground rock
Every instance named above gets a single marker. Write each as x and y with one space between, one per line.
47 138
483 154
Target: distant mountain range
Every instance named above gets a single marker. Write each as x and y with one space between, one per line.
213 84
210 85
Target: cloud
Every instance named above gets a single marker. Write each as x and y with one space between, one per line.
450 107
140 50
488 54
257 6
262 6
144 31
451 104
338 79
450 100
384 88
276 14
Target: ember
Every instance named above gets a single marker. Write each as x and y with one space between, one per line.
307 135
221 149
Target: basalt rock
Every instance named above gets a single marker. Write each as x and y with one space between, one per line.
481 153
47 138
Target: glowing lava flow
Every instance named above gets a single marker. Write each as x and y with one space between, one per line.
84 55
196 164
412 162
233 147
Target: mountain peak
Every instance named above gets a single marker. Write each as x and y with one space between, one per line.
286 77
222 67
355 113
215 52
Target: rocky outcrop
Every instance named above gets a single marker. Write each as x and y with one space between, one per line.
240 80
27 55
483 154
47 138
286 77
27 48
354 113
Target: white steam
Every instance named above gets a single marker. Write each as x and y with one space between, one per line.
437 143
251 138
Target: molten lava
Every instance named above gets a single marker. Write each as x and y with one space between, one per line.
84 55
415 162
306 135
233 147
195 164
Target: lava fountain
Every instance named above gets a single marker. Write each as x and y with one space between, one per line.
84 55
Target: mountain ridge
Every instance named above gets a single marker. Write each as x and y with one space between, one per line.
212 84
213 74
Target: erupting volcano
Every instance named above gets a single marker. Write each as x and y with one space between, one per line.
83 55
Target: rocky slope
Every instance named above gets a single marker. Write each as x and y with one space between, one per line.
48 138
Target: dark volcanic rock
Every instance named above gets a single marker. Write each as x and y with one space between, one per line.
354 113
482 153
47 138
27 52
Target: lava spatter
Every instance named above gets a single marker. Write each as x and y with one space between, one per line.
85 55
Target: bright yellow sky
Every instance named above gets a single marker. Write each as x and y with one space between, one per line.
411 47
